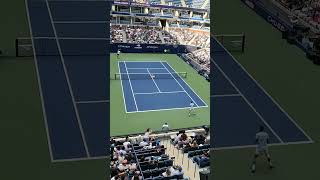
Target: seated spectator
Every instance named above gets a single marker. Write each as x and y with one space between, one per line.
167 173
144 143
176 170
127 143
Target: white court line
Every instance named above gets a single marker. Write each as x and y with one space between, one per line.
146 73
180 84
169 92
39 83
226 95
80 1
132 61
247 101
124 99
147 68
69 38
188 85
274 101
134 98
92 102
270 145
68 81
152 110
79 159
81 22
153 80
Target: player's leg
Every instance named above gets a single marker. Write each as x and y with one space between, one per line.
266 153
253 165
191 111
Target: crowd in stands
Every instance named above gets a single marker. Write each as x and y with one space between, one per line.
117 35
182 34
196 145
173 36
142 158
140 34
143 34
201 57
156 35
308 10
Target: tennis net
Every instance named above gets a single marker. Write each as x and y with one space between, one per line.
231 42
146 76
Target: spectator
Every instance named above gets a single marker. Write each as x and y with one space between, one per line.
165 127
167 173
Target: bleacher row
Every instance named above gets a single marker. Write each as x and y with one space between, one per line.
187 3
149 161
307 10
197 153
194 147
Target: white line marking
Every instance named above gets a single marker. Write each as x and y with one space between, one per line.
148 73
134 98
145 68
275 102
81 22
226 95
68 82
124 99
247 101
188 85
253 146
70 38
92 102
39 83
152 110
163 92
79 159
180 84
153 80
138 61
62 1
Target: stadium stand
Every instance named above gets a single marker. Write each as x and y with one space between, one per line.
196 146
299 22
138 34
153 155
308 10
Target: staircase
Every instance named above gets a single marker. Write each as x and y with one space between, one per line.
191 41
161 37
124 35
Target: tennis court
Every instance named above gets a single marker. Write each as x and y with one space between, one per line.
155 86
72 66
241 105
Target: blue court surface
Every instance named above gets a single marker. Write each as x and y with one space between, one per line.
241 105
155 86
69 39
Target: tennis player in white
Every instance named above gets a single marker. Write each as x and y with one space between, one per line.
262 140
118 53
191 109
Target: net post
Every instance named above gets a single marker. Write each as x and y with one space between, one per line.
17 46
243 42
